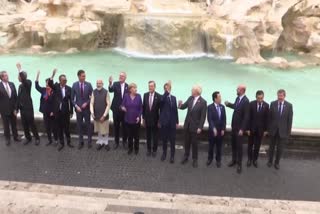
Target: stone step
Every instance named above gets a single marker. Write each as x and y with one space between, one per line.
19 197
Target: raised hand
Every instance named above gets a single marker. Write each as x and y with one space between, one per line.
18 66
53 73
110 80
38 74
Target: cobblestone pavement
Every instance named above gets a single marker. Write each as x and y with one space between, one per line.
298 178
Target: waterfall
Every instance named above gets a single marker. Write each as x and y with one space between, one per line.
229 41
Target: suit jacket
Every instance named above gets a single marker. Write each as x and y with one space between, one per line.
214 120
282 123
60 103
258 120
240 116
8 105
46 106
76 98
196 116
168 111
24 102
117 98
151 117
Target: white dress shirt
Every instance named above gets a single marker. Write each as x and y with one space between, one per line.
122 88
195 99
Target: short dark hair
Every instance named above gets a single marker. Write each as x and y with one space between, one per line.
2 73
81 72
23 76
259 92
152 81
215 95
48 79
62 75
282 91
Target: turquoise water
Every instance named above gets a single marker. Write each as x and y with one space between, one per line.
302 85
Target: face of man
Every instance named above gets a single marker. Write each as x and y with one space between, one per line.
194 92
63 80
122 77
5 77
82 77
167 88
99 84
259 98
281 97
241 90
218 99
152 87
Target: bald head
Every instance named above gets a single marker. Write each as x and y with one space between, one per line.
241 90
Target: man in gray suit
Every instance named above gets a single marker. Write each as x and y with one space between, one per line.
280 124
80 95
193 124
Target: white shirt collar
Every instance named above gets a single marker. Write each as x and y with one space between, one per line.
240 98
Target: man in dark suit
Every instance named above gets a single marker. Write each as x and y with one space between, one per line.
168 121
8 100
150 116
280 124
193 124
25 105
258 124
119 88
239 125
217 127
62 108
80 95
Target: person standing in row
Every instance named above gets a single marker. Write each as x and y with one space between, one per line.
46 108
193 124
168 121
258 124
99 107
280 125
80 95
217 127
132 106
62 108
8 100
239 125
119 88
25 106
150 115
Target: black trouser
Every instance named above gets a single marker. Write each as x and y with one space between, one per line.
83 121
168 134
276 141
236 143
254 145
215 142
27 119
50 127
133 136
62 121
8 120
118 121
152 136
191 139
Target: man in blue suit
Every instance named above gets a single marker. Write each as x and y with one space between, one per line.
168 121
80 96
217 127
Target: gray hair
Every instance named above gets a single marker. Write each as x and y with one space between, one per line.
197 88
2 73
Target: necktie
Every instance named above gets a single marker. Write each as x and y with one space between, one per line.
150 101
82 91
237 101
194 102
169 97
7 90
219 111
259 108
280 108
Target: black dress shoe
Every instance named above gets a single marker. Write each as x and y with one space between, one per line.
277 166
107 147
130 151
8 142
26 142
239 169
154 154
37 142
195 164
209 162
70 145
60 147
172 160
116 146
249 163
232 164
136 152
163 157
148 154
269 164
255 164
17 139
49 143
80 146
218 164
99 147
184 160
